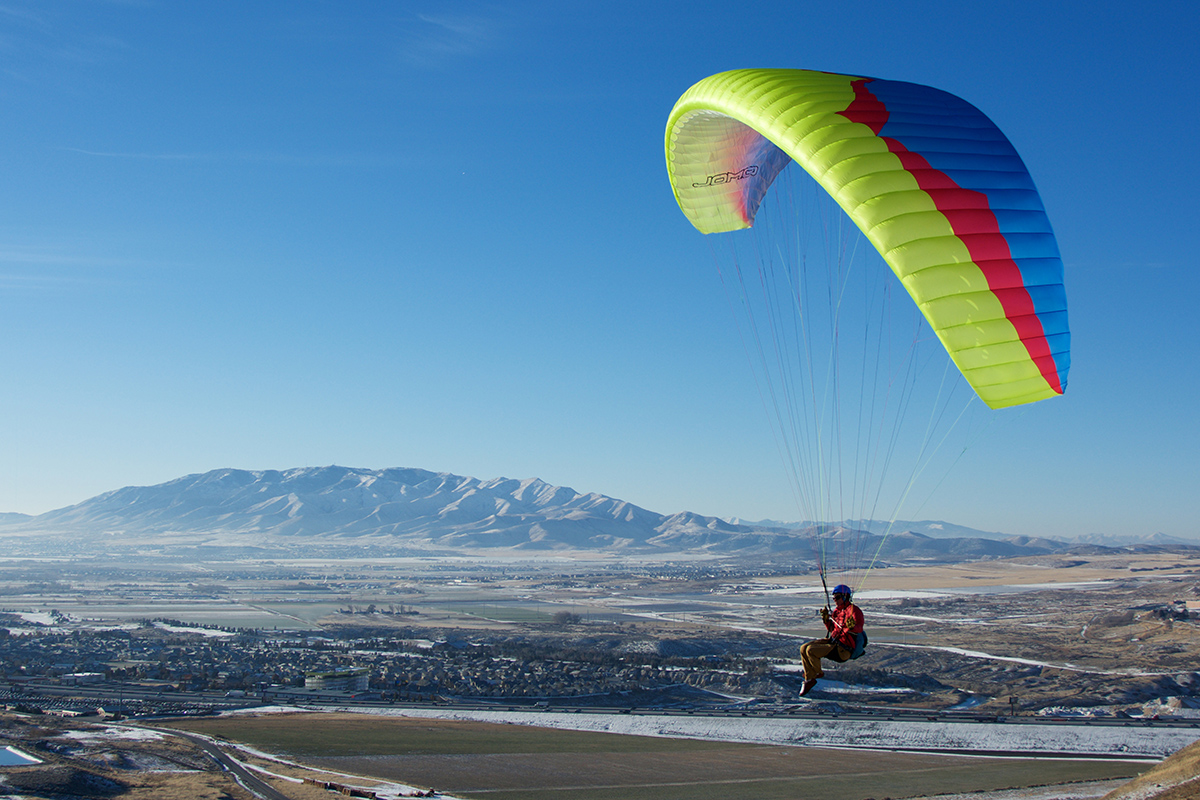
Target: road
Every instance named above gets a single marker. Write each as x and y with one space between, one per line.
248 780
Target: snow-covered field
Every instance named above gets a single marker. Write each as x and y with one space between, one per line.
1029 738
211 632
110 732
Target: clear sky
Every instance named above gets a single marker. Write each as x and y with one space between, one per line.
276 234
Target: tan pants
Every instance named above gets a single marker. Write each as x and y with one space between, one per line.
812 652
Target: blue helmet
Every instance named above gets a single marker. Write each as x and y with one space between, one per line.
842 588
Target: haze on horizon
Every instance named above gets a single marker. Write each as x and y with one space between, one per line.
267 237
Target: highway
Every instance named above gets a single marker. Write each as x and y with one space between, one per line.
49 696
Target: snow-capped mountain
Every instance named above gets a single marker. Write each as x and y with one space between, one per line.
418 511
409 507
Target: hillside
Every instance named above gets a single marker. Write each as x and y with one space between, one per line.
1175 778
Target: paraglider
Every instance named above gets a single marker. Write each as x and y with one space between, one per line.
948 204
846 639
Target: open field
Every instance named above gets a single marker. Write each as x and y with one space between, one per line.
497 612
1065 570
473 759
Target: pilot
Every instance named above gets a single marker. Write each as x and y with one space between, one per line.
844 624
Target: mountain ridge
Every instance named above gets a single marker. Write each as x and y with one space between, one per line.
439 512
419 506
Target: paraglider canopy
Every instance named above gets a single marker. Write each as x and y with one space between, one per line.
932 183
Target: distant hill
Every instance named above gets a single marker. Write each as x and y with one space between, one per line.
935 529
1121 540
422 512
938 529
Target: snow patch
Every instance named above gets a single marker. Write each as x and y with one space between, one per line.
970 702
210 632
110 732
1106 741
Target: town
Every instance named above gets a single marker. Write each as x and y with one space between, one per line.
145 638
170 657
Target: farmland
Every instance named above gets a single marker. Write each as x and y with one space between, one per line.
473 759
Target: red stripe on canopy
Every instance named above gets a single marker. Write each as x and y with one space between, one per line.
972 221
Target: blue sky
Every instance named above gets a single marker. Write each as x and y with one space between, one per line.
440 235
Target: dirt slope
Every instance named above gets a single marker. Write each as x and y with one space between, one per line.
1175 778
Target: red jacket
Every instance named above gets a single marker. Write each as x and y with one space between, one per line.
844 623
